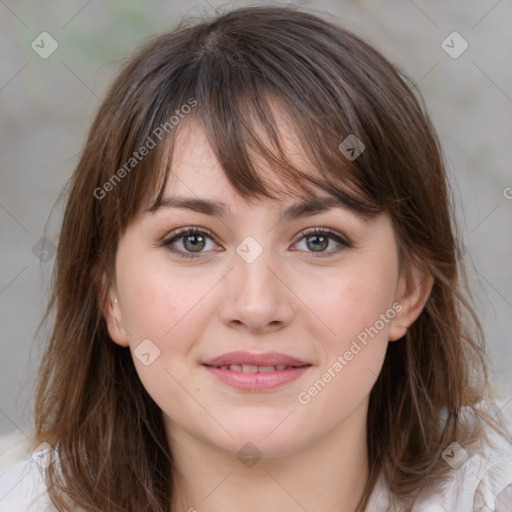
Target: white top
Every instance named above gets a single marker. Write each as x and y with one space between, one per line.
477 484
22 486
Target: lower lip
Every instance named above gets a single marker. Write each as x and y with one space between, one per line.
257 381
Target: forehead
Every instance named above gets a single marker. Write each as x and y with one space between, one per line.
195 168
198 183
248 161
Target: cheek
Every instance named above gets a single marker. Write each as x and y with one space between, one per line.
357 301
353 355
357 309
160 302
172 310
167 310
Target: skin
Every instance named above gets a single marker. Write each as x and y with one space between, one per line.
289 300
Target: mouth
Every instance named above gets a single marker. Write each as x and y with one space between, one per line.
256 372
251 362
251 368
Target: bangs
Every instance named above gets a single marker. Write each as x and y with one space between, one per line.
247 100
265 128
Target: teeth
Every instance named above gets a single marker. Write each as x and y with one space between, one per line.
266 368
250 368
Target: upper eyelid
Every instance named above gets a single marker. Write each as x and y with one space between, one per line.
178 233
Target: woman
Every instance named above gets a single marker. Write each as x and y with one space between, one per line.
259 301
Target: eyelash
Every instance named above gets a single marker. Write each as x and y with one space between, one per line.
175 236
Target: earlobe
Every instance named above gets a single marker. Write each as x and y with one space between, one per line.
413 292
112 313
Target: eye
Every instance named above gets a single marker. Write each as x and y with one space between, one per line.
191 240
319 239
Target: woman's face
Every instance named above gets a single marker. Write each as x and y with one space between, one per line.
254 283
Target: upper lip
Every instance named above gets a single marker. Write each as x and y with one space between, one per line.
265 359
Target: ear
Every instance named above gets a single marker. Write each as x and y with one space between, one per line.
413 290
112 313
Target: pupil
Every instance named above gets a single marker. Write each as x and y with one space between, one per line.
195 243
323 244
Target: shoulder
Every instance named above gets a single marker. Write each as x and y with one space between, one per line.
479 481
22 483
493 471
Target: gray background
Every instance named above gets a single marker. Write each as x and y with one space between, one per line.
47 106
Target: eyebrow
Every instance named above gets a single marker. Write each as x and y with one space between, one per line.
294 211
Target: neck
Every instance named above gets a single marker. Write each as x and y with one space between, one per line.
328 474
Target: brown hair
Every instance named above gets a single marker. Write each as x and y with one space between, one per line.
233 70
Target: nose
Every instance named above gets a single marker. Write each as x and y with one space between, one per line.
257 298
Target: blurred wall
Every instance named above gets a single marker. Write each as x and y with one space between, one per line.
48 99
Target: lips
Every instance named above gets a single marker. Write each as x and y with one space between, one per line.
251 368
257 381
248 362
251 372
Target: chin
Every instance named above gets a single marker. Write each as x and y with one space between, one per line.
265 439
